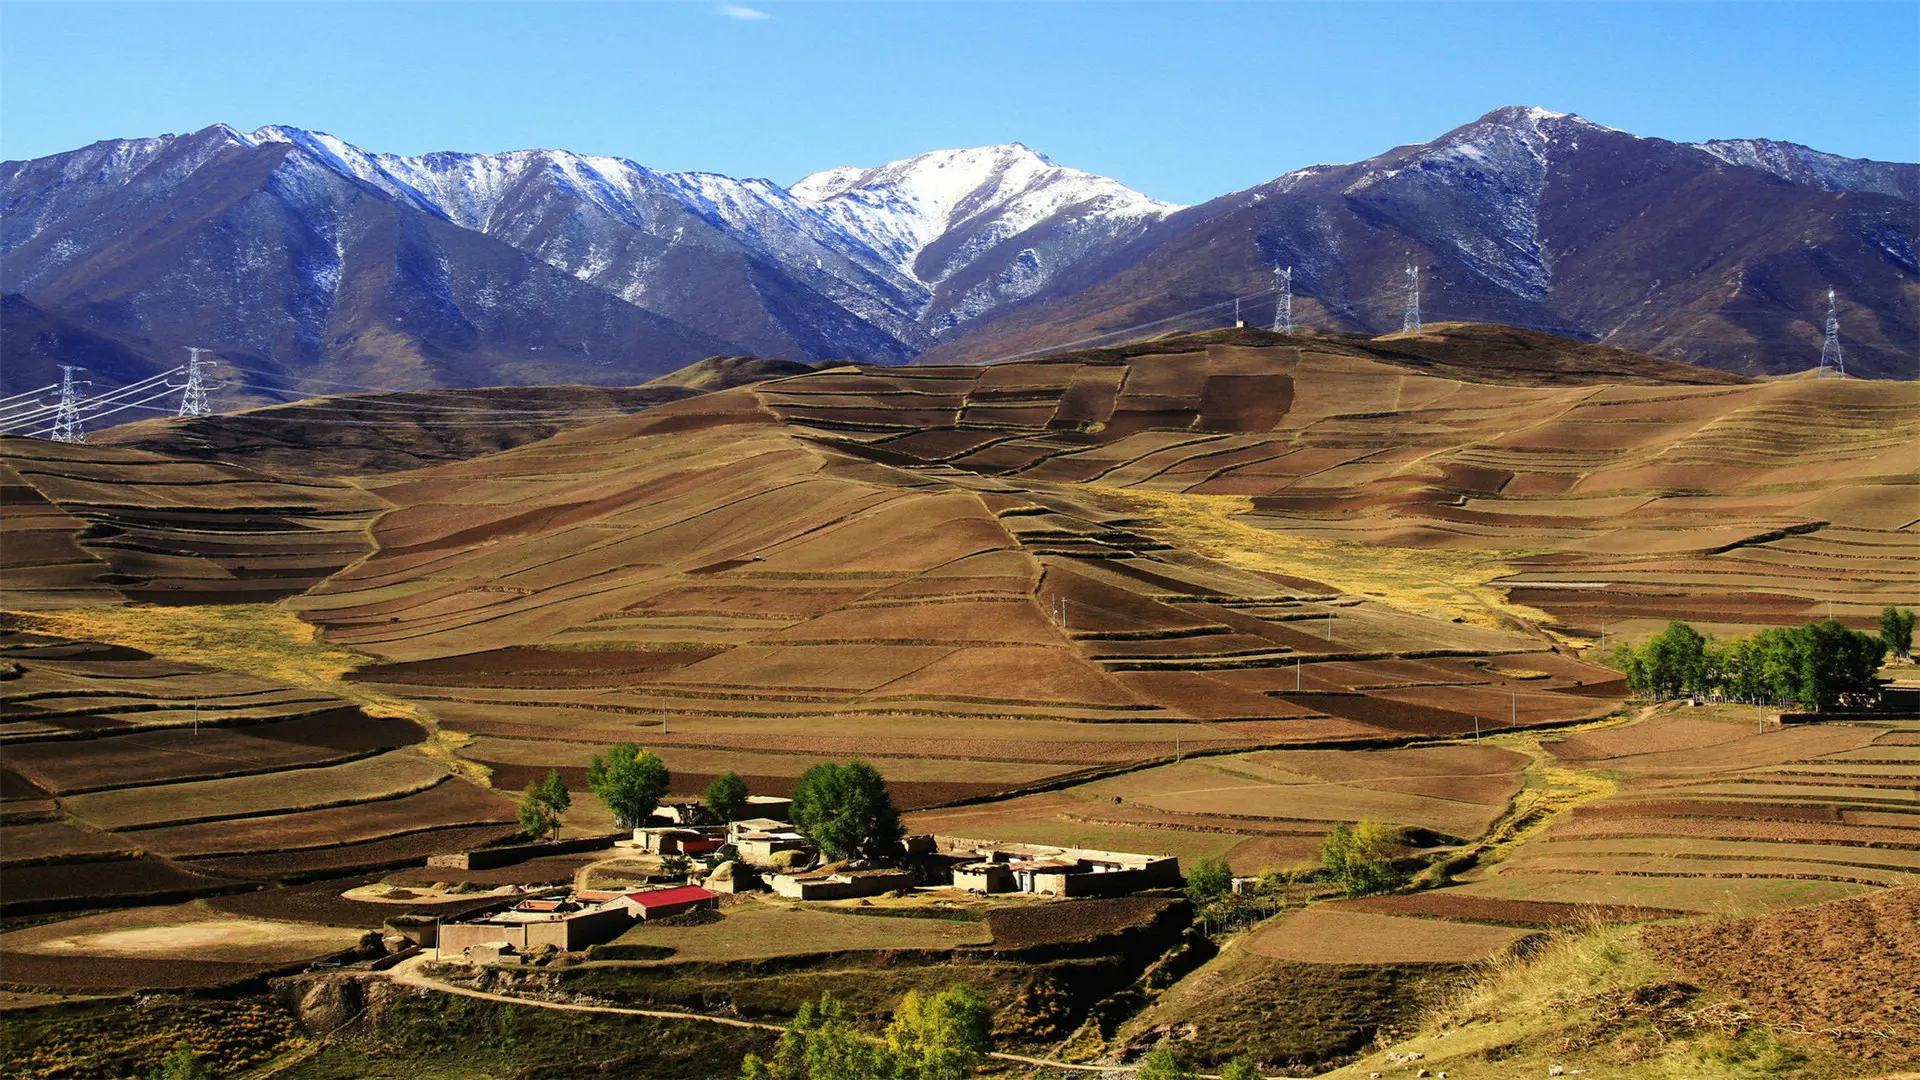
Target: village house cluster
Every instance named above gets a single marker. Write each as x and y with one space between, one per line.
764 852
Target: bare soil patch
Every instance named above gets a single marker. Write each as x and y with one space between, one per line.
1535 914
454 803
1325 934
391 774
1070 920
759 929
64 886
1841 971
352 858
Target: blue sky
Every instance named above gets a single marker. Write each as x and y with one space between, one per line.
1181 100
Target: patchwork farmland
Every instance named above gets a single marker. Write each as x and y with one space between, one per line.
130 778
1205 597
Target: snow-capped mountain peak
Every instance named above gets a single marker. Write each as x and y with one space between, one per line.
992 193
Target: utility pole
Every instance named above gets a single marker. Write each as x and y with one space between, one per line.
1830 354
1237 321
66 423
1283 305
1410 324
193 399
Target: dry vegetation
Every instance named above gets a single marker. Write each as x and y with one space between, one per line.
1071 574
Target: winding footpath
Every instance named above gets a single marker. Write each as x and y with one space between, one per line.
409 973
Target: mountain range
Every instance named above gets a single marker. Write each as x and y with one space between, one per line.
308 264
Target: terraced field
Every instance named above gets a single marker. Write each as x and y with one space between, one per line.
1261 811
129 778
767 571
90 524
1694 810
1711 797
1185 596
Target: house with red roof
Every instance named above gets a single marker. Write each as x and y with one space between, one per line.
666 903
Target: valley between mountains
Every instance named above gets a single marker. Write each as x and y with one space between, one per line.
1206 595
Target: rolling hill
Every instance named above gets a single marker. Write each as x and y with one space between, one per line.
1213 542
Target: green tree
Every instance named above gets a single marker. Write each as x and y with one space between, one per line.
1360 857
1164 1064
1839 666
631 782
537 819
726 796
542 803
1239 1068
553 791
1208 881
1671 663
822 1044
944 1037
183 1064
846 810
1896 629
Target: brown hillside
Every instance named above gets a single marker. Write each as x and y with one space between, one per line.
727 372
87 524
358 434
1252 544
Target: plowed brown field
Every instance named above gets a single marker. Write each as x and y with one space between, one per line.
1842 972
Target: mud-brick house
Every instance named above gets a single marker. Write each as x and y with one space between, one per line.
1054 871
840 885
679 840
984 877
569 925
758 840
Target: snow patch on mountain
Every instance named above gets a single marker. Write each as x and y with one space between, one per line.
1805 165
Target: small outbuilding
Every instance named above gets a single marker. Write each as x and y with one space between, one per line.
666 903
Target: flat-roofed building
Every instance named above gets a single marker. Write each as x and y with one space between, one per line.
666 903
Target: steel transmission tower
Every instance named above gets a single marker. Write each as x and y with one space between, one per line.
66 423
193 399
1411 323
1283 306
1830 354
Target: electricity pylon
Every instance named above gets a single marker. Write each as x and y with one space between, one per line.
1411 323
66 423
1283 306
1830 354
193 397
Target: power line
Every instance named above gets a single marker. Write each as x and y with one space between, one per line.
87 405
8 401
